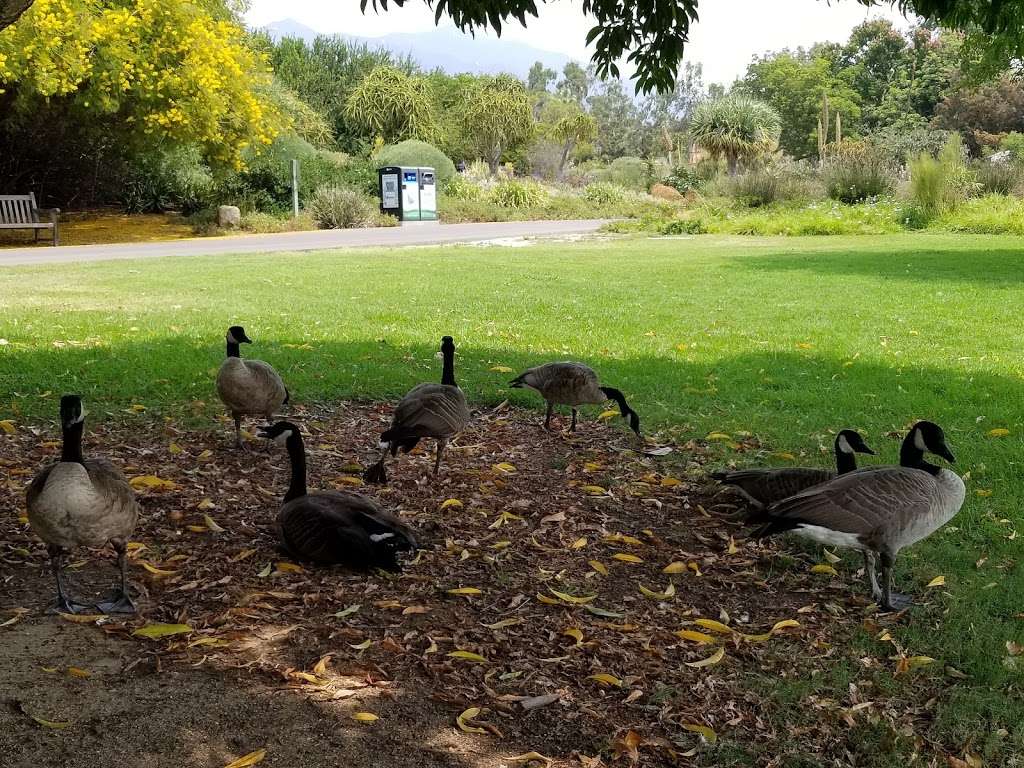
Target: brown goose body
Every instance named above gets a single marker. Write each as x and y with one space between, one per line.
572 384
334 527
435 411
337 527
248 387
79 502
762 487
84 504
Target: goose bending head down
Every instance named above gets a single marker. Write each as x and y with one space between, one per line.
878 511
762 487
248 387
572 384
437 411
334 527
79 502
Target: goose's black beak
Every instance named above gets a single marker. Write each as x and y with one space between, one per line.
264 432
245 340
945 453
864 449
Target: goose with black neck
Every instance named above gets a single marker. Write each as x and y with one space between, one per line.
248 387
437 411
79 502
879 511
765 486
334 527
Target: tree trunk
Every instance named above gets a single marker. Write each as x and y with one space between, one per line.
566 149
733 162
11 10
494 160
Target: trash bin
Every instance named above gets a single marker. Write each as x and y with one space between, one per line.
409 194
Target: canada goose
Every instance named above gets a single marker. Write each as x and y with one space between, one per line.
80 502
248 387
879 510
428 410
766 486
572 384
334 527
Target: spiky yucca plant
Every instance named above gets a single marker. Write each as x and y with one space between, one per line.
736 127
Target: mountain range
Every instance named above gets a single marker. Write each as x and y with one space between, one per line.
447 49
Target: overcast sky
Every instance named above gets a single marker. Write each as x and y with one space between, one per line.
728 34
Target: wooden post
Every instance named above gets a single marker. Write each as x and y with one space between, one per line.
295 188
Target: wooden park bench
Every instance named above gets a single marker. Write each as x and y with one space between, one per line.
21 212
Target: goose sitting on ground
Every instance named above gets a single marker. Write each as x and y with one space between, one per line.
438 411
79 502
766 486
334 527
572 384
248 387
878 511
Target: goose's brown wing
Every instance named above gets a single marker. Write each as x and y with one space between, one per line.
861 502
335 527
38 483
121 504
770 485
430 410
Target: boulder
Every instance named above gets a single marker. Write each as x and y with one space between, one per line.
665 192
229 217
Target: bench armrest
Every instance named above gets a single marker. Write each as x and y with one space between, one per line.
53 213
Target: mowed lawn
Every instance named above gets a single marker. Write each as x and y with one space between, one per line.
785 339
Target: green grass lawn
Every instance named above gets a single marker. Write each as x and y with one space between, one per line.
783 338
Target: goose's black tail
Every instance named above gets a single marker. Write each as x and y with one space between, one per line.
627 413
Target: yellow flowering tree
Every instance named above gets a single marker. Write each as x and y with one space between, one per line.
160 72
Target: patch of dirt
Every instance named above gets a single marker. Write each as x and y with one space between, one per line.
560 545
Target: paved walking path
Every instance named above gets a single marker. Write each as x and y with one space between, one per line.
424 234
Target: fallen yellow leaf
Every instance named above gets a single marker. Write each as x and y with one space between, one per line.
714 626
78 672
529 757
938 581
598 566
580 543
575 634
156 571
572 598
824 568
501 369
212 524
59 726
504 623
670 590
469 714
465 591
999 432
7 426
676 566
709 661
468 656
593 490
605 679
504 468
152 483
156 630
670 482
694 637
365 717
448 503
718 436
609 414
625 557
286 567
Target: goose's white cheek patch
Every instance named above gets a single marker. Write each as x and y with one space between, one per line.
919 440
377 537
283 437
844 445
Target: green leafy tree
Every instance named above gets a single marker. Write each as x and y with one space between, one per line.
325 72
498 116
795 84
738 128
392 105
620 126
575 83
571 130
539 77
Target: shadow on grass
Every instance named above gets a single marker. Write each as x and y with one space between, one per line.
789 399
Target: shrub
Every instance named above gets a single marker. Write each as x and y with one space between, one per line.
513 193
629 172
938 185
684 178
901 146
340 208
998 178
175 179
461 188
260 222
603 192
415 153
853 171
1013 142
989 215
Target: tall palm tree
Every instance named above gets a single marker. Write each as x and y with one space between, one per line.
737 127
